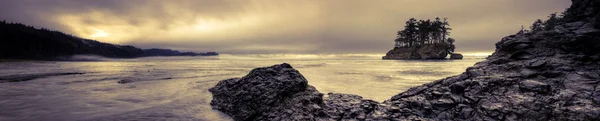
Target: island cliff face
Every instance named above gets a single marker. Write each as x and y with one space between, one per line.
422 52
552 74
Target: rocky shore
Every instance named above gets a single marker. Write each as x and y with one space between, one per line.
545 75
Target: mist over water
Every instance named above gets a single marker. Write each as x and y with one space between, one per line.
176 88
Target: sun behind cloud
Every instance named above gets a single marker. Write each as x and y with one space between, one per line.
100 34
333 26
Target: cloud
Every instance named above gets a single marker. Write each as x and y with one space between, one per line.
276 26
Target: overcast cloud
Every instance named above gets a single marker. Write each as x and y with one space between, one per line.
276 26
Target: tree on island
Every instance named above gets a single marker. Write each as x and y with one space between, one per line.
425 32
451 46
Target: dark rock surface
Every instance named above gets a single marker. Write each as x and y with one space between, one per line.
18 41
456 56
545 75
272 93
422 52
349 107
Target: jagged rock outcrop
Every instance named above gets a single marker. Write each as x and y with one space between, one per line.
422 52
543 75
278 92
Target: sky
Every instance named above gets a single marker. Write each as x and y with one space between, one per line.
277 26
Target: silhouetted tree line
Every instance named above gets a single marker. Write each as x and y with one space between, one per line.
424 32
545 25
21 41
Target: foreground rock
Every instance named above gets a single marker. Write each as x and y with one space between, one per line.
272 93
545 75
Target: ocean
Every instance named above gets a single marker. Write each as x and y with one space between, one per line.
176 88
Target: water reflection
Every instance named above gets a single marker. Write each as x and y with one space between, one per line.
176 88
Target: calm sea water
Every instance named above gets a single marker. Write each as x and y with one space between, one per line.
176 88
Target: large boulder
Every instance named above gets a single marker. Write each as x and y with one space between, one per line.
278 92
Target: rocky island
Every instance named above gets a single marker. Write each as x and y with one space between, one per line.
18 41
551 72
423 39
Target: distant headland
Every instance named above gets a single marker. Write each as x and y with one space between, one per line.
19 41
423 39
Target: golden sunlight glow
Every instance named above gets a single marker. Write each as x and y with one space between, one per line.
478 54
289 26
100 33
204 26
187 26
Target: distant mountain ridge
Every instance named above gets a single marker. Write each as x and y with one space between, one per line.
169 52
19 41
